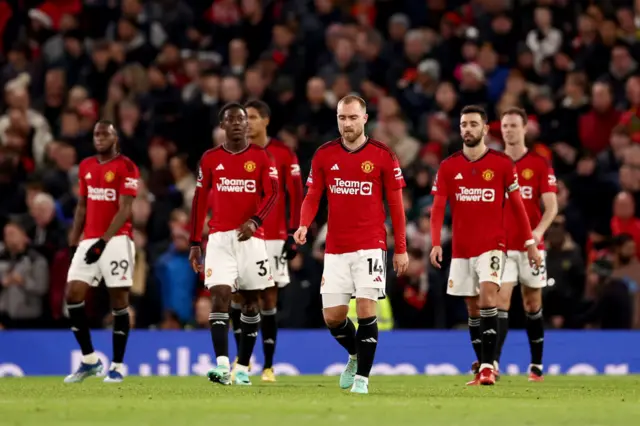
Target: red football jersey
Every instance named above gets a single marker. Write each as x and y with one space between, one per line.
103 184
476 192
355 181
275 226
237 186
536 177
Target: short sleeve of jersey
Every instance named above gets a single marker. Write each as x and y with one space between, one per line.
129 182
440 182
510 176
82 182
547 178
392 174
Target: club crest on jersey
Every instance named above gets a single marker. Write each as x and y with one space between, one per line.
367 166
527 174
488 175
209 272
249 166
450 283
109 176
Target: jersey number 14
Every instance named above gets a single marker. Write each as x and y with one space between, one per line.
374 266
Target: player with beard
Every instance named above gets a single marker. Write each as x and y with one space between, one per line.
240 183
278 233
108 183
537 186
355 170
475 181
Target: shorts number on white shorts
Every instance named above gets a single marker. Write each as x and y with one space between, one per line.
465 275
279 262
115 265
362 274
517 269
242 265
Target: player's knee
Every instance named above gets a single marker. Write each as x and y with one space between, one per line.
366 308
269 299
488 295
532 301
76 292
472 307
220 298
335 317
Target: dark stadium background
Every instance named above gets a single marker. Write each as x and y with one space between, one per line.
161 69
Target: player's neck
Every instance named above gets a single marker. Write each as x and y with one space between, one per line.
236 146
516 152
474 152
262 140
104 158
352 146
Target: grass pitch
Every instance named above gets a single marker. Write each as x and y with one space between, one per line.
315 400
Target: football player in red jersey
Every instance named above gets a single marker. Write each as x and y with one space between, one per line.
102 247
355 171
245 189
537 186
278 233
475 181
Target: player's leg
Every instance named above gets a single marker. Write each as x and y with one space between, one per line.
250 323
221 274
533 280
81 276
463 284
488 267
336 289
268 311
509 281
254 275
269 306
234 314
116 266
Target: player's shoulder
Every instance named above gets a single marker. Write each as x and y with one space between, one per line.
281 148
381 147
127 163
499 156
259 152
210 154
537 159
327 148
88 162
452 159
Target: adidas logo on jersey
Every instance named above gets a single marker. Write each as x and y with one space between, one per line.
87 176
220 167
377 280
335 167
458 176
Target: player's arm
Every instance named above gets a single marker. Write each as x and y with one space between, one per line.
293 183
311 202
128 191
548 188
80 214
522 219
439 192
200 203
269 177
393 184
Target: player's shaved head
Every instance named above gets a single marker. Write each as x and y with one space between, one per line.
105 137
513 126
473 125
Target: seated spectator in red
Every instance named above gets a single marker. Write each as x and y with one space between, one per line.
624 220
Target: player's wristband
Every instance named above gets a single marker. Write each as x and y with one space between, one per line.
194 243
257 220
529 243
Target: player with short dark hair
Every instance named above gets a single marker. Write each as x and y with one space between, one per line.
240 182
475 182
355 171
108 184
278 233
537 186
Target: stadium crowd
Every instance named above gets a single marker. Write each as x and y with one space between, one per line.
161 69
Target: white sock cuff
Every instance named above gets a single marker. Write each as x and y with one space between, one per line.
250 320
269 312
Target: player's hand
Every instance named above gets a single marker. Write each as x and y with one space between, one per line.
95 251
300 236
290 248
436 256
400 263
195 254
537 236
535 259
247 230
